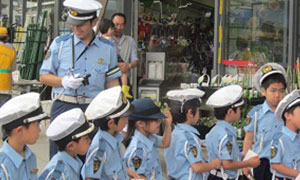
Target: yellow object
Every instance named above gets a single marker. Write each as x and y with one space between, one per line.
3 31
7 56
125 89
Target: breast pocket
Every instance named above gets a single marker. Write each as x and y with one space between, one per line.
98 75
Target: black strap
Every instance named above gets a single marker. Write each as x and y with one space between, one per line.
86 48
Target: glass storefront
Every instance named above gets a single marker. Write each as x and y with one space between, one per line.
255 32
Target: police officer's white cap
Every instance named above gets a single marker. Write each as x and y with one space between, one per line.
81 10
231 95
110 103
265 71
286 103
21 110
184 94
71 123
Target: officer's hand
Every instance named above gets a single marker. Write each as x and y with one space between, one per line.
124 67
169 118
215 163
133 174
71 82
254 161
247 172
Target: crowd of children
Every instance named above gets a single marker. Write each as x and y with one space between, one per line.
270 151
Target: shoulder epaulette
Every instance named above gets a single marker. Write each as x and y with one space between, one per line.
106 41
63 38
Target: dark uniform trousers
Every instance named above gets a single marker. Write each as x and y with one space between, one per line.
262 172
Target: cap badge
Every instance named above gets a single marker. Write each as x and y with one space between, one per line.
136 162
273 151
73 12
101 61
97 164
267 69
194 150
229 147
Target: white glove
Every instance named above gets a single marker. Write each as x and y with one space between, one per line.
298 177
71 82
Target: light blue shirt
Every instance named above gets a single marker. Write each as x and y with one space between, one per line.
15 166
129 54
223 135
266 130
288 152
104 159
142 155
97 60
68 169
184 150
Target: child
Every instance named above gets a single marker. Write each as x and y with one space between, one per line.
221 141
104 160
142 142
262 126
184 158
70 132
20 119
107 29
285 155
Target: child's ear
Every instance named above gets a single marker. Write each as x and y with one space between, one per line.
70 145
110 123
19 129
140 123
287 116
263 91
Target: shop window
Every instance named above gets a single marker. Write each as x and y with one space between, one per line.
255 32
184 32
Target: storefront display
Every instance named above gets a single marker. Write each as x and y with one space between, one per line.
184 33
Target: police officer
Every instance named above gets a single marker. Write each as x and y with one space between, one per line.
76 55
70 132
221 141
104 159
20 118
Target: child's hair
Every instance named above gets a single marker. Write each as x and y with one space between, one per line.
273 78
9 131
220 113
103 123
62 145
105 25
290 111
179 113
131 129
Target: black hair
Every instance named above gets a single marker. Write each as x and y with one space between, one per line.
290 111
131 129
180 116
119 14
220 113
103 123
62 146
105 25
273 78
8 132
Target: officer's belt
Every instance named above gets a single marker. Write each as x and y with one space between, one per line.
219 174
73 99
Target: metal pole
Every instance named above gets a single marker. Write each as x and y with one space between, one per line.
215 60
56 18
39 9
24 12
11 7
